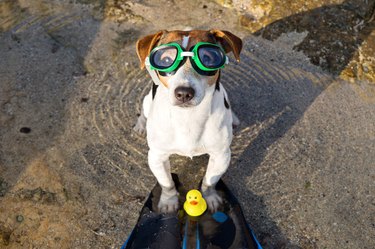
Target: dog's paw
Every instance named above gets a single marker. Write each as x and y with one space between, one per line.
140 129
168 204
213 200
140 126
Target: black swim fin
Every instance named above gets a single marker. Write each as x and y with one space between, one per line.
225 229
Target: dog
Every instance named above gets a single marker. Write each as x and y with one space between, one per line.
187 111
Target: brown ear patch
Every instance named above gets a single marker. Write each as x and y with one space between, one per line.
146 44
229 41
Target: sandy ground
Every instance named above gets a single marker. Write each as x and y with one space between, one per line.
73 174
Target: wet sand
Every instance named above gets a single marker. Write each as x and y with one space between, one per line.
73 174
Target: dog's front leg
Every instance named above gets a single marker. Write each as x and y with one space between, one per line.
217 165
160 167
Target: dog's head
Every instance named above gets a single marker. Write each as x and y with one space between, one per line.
188 78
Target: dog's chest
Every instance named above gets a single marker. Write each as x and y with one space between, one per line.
188 131
180 132
188 136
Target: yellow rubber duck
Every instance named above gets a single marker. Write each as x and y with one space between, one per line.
195 205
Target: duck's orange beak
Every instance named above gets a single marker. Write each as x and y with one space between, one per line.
194 203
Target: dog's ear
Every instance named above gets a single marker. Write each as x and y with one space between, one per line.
229 42
146 44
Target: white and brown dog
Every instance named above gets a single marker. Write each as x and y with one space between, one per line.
187 113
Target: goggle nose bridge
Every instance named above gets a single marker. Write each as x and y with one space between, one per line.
187 54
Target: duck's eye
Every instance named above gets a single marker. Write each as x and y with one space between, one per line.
195 197
189 197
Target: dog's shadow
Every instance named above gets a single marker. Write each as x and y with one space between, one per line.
270 90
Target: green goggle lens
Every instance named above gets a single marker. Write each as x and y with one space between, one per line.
207 57
164 58
211 57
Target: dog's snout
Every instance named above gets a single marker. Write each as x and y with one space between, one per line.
184 94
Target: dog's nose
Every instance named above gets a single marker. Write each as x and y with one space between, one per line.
184 94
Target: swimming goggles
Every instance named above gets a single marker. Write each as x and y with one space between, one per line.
204 56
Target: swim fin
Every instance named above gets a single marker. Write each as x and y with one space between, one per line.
226 228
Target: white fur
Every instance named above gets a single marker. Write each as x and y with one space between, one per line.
202 126
189 131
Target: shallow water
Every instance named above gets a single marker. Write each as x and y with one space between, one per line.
71 88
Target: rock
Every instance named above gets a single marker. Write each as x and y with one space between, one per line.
19 218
